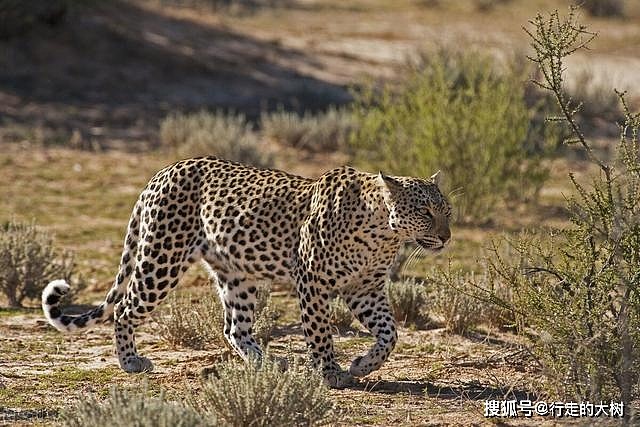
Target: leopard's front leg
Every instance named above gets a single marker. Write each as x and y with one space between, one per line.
371 307
314 308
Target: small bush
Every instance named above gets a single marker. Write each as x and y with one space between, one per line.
340 314
265 317
251 394
191 322
28 261
452 302
131 408
497 297
460 113
578 287
240 394
199 322
321 132
408 301
604 8
224 135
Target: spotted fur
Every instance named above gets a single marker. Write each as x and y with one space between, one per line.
338 233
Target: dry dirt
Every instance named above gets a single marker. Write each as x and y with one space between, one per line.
432 378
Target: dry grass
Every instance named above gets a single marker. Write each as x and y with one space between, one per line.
325 131
131 407
409 301
243 394
28 261
266 315
452 303
340 314
194 322
225 135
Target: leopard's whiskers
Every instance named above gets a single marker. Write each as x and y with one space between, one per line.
413 257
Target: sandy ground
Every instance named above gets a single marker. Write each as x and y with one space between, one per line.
432 378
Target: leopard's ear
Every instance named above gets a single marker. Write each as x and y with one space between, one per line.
390 188
391 184
436 178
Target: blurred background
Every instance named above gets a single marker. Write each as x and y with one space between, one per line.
102 75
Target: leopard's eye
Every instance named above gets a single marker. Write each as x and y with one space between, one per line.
429 214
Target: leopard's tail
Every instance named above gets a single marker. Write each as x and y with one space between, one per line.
56 289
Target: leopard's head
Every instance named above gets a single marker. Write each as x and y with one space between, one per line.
418 211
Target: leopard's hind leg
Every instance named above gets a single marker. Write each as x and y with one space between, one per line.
156 274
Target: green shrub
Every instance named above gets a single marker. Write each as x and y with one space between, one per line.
28 261
408 301
452 301
340 314
131 408
191 322
218 134
459 113
577 287
243 394
573 307
495 296
325 131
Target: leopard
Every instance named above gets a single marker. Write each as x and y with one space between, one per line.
334 235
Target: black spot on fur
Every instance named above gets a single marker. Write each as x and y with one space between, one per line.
53 299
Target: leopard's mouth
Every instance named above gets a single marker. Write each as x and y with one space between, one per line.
430 246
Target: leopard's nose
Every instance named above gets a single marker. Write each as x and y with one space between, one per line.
445 236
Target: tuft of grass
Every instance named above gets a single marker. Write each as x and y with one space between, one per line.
265 317
218 134
242 394
453 303
131 408
28 261
191 322
408 301
340 313
324 131
239 394
198 322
